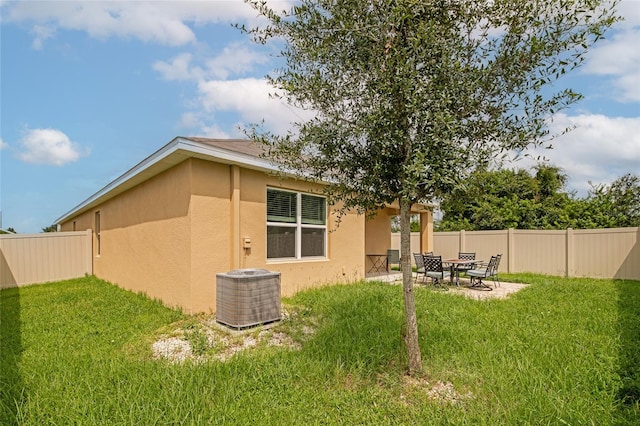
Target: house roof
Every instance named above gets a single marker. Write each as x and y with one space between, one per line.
241 146
240 152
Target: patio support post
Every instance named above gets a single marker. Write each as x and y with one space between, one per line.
426 232
235 217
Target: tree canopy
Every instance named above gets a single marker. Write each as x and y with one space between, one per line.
614 205
409 95
501 199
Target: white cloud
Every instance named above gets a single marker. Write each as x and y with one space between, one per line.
179 68
3 144
48 146
235 59
618 55
163 22
190 120
41 33
251 99
630 9
213 131
205 126
600 149
248 98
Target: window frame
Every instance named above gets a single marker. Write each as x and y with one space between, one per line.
298 225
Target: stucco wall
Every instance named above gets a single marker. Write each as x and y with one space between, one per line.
210 231
345 244
378 232
169 236
145 237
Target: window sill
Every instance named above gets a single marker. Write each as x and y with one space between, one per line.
294 260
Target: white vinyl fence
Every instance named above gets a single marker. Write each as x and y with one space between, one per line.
36 258
596 253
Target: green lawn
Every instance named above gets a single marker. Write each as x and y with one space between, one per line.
562 351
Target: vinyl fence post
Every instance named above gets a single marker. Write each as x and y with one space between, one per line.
510 251
569 272
88 252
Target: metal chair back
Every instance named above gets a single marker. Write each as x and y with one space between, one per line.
466 256
393 256
419 259
435 271
433 263
494 263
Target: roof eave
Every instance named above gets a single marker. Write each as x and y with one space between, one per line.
171 154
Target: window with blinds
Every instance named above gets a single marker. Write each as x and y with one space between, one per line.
281 206
296 225
313 210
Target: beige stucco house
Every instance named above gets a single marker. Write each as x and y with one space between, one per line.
199 206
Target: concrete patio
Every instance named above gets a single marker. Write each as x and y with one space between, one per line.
502 291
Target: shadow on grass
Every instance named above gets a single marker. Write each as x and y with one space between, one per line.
629 325
12 394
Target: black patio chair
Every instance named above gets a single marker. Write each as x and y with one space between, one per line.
393 258
489 270
435 271
464 267
419 259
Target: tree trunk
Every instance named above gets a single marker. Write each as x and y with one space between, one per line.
411 335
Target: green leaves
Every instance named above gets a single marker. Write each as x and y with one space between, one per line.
412 77
515 199
410 96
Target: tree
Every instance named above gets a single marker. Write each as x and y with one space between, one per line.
9 230
619 202
500 199
50 228
550 180
409 94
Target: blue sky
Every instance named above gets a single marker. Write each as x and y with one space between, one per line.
88 89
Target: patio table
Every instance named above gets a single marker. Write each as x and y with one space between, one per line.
454 264
378 263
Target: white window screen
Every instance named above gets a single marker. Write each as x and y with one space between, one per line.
313 210
296 225
281 206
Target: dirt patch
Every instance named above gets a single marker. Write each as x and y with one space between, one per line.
501 291
201 338
437 391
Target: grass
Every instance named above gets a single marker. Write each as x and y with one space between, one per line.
562 351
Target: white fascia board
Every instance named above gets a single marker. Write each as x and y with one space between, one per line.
176 151
222 155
